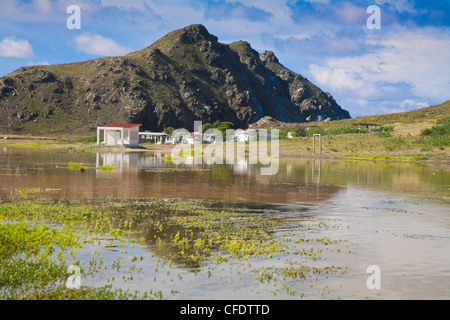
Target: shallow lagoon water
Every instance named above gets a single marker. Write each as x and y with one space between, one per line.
395 216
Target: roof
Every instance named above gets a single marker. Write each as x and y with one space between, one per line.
122 125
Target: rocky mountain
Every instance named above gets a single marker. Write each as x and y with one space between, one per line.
187 75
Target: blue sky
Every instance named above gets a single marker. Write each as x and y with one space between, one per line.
402 66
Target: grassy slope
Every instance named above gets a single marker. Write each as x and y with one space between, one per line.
424 115
403 140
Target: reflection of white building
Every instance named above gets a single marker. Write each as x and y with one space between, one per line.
128 161
119 134
240 166
118 161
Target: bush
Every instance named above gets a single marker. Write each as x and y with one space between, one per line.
221 126
298 132
436 131
205 127
169 130
295 133
387 128
283 133
443 121
311 131
442 128
438 135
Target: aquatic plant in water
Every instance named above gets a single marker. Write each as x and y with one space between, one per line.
47 236
106 168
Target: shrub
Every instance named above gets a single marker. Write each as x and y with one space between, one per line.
443 121
222 126
316 130
438 135
387 128
298 132
205 127
169 130
283 133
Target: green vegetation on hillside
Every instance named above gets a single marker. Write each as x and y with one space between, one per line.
428 114
438 135
219 125
382 157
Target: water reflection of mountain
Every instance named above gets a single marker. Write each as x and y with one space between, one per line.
148 175
239 182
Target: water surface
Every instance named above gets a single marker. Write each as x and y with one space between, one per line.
395 216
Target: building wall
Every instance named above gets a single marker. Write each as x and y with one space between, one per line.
112 138
130 137
134 136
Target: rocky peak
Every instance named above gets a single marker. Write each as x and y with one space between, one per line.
195 33
244 48
268 56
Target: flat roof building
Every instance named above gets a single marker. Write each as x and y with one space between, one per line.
119 134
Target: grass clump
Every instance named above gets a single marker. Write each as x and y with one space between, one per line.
172 159
106 168
39 242
72 166
30 239
41 239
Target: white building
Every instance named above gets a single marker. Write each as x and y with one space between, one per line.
246 135
119 134
198 137
155 137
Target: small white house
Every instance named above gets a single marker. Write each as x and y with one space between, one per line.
198 137
154 137
119 134
246 135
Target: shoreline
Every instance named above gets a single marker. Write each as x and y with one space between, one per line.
440 158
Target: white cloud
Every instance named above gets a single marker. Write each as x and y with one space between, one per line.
342 79
95 44
409 104
399 5
350 13
409 70
319 1
10 47
416 57
44 6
